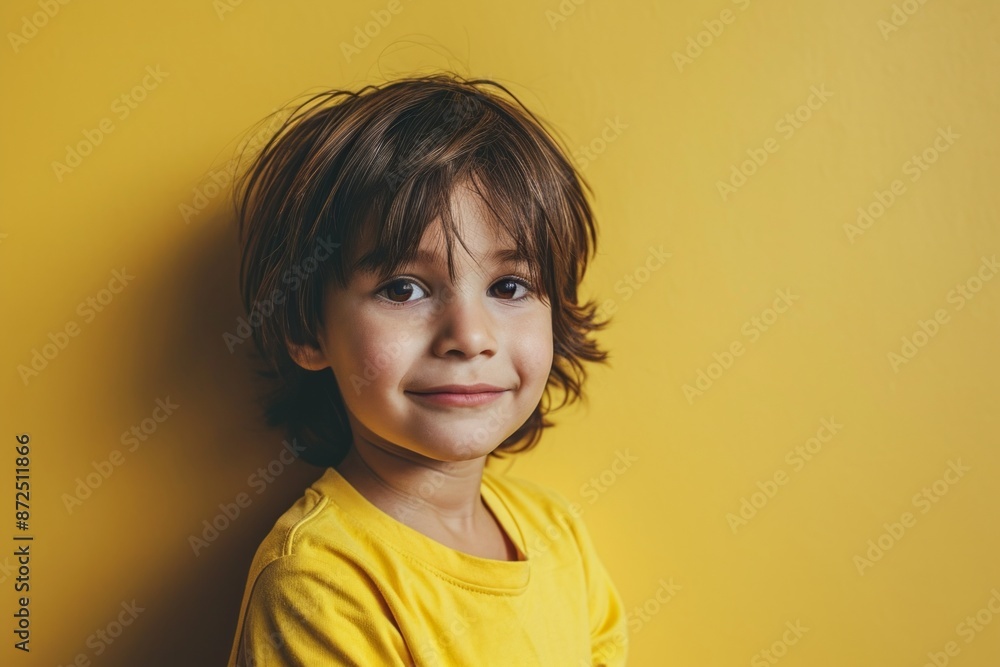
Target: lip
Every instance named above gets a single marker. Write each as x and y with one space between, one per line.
459 389
459 395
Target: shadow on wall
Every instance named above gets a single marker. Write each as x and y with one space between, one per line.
190 618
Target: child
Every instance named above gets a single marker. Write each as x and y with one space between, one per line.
403 368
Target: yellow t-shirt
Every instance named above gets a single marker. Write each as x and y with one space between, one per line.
338 581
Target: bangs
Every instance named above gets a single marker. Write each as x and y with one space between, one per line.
404 176
380 246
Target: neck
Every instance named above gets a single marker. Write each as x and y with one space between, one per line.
416 490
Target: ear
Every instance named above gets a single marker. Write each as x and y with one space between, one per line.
307 356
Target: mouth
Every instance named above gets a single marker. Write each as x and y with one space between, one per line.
459 395
459 389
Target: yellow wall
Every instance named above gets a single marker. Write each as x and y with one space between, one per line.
669 121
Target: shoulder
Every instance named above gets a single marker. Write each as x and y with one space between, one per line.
313 559
312 533
534 499
301 582
285 536
300 609
524 487
545 511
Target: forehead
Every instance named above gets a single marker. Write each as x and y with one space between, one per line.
497 255
472 234
376 262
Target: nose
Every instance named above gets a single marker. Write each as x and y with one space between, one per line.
464 326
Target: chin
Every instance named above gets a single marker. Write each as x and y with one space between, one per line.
458 451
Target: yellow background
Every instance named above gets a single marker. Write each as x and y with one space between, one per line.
682 126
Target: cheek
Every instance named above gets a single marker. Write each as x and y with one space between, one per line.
370 351
532 349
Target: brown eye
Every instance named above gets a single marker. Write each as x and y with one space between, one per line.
510 285
402 289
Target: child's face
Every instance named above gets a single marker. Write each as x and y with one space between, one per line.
387 342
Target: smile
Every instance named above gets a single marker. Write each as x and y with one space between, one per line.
451 399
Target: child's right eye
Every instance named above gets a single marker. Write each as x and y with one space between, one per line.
401 287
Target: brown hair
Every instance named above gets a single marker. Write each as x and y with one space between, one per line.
376 167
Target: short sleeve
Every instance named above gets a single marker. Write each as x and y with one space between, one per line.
303 611
608 620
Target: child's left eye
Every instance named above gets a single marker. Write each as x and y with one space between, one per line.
513 282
